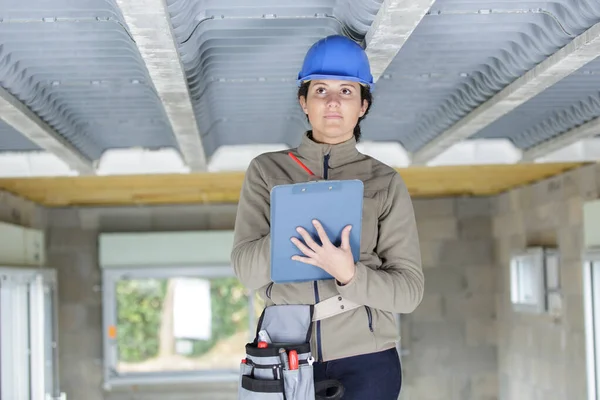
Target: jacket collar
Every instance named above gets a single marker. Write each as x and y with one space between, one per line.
339 154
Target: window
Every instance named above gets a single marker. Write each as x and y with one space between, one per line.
28 348
535 281
553 289
176 324
591 302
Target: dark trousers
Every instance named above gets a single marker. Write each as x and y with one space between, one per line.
376 376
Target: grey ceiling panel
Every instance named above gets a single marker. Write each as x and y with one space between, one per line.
242 57
566 105
462 53
11 140
76 66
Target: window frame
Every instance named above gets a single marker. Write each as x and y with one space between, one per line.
535 259
553 283
539 259
30 332
591 300
110 277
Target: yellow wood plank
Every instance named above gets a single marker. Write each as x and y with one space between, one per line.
442 181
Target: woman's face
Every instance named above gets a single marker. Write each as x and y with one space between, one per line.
333 108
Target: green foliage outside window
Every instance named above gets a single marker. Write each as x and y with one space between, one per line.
229 302
140 313
139 305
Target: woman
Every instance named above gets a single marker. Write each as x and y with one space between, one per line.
358 346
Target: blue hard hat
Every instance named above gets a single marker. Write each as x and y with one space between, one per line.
336 57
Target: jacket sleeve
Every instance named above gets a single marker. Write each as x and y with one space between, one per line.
398 285
250 255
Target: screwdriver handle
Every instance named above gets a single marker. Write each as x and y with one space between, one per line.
293 356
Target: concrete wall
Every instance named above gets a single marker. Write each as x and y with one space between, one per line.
450 339
453 328
463 342
543 357
22 240
18 211
72 248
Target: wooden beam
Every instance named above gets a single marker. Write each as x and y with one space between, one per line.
220 188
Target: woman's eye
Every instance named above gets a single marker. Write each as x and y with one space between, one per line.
320 90
346 91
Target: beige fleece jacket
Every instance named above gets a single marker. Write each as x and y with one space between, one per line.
388 279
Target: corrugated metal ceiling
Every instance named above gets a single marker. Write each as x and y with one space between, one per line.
462 53
75 64
567 104
242 57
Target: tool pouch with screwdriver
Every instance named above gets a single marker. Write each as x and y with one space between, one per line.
279 362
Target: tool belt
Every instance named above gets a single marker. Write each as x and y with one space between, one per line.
279 362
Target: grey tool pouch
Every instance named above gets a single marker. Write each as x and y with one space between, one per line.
265 372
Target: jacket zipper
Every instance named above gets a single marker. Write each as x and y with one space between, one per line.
367 308
370 316
316 288
319 350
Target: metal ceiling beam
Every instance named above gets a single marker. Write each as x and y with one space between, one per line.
581 50
394 23
25 121
148 22
587 130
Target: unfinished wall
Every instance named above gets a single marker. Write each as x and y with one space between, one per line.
541 357
72 249
463 342
22 242
18 211
450 339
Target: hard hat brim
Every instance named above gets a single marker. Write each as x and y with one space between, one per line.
336 78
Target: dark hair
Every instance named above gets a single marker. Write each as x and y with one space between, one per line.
365 94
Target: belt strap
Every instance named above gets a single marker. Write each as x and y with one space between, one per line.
332 306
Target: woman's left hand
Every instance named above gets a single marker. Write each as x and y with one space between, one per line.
336 261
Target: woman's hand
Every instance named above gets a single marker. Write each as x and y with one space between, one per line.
336 261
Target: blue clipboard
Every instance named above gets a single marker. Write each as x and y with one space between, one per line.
334 203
